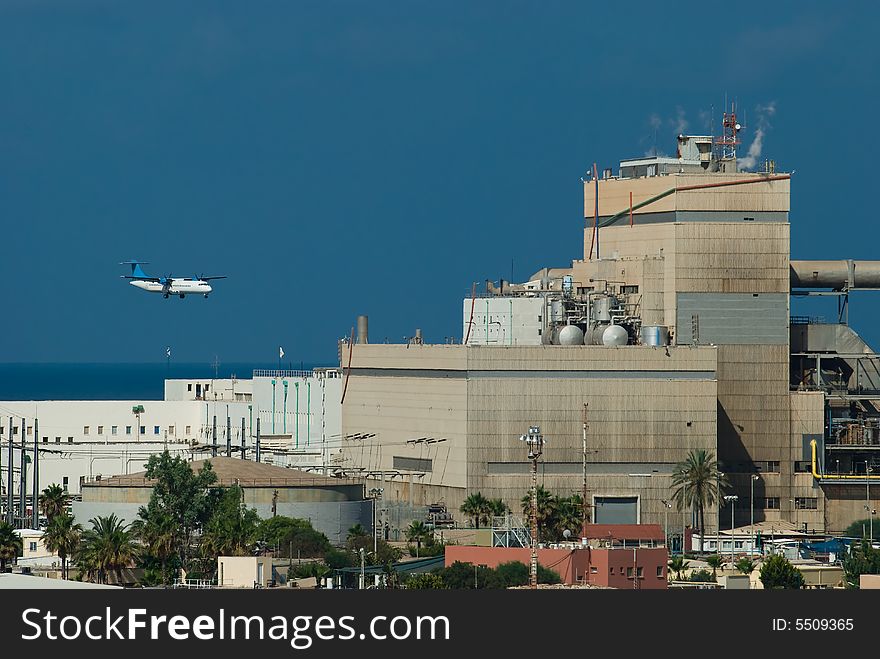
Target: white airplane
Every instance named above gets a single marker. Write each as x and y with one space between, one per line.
169 285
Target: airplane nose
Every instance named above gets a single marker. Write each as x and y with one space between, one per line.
208 288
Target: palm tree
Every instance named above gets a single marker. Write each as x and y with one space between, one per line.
548 506
157 534
358 537
715 561
697 482
106 548
745 565
62 537
10 544
678 565
497 507
417 532
54 501
476 506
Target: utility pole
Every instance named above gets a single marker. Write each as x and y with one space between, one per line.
535 442
9 482
36 512
214 438
243 446
22 487
257 447
584 491
228 434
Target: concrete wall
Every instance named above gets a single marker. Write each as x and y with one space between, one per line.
243 571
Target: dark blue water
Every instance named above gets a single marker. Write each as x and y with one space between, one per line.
111 381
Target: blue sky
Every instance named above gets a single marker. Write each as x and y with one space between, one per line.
343 158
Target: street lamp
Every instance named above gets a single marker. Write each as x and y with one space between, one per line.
868 498
754 478
535 442
666 506
363 578
731 499
871 513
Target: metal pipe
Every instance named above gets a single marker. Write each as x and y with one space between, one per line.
846 274
22 483
362 329
257 447
823 476
228 434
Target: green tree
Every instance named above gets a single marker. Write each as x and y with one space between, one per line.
54 501
678 565
477 507
745 565
697 481
62 537
10 545
547 512
106 549
701 575
497 507
862 559
179 507
156 530
715 561
231 529
294 538
569 516
425 581
777 573
417 532
859 529
358 537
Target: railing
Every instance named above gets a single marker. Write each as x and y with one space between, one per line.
194 583
270 373
807 320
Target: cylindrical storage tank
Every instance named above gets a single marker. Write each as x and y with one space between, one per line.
602 308
654 335
362 329
571 335
615 335
593 337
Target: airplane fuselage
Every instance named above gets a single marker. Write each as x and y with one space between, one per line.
179 287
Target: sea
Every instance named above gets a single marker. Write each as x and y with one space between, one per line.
115 381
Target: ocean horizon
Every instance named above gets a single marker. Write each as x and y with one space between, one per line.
116 381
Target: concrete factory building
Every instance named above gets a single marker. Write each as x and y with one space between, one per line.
674 331
333 505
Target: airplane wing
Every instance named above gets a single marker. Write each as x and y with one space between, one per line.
155 279
210 278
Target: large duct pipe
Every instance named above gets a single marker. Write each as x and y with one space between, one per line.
362 325
835 274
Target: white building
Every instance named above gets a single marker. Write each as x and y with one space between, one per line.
299 414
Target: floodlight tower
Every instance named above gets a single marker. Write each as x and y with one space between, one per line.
535 442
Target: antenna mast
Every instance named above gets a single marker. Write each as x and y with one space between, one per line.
584 492
729 139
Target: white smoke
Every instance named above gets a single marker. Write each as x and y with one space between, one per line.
680 121
757 145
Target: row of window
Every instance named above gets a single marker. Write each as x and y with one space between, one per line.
801 503
640 571
114 430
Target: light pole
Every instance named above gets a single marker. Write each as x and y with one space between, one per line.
535 442
731 499
868 499
375 493
361 551
754 478
666 506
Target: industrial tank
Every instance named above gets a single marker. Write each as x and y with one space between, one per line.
615 335
654 335
571 335
602 308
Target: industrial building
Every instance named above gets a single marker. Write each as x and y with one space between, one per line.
293 416
672 333
332 505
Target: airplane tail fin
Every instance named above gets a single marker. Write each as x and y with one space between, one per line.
136 270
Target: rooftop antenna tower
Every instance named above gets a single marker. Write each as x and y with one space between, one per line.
729 139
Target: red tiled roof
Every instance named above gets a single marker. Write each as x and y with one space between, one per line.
625 532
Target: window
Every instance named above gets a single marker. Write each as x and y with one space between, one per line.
45 440
640 572
32 546
629 573
127 430
171 430
57 440
594 569
114 430
631 290
767 465
100 430
659 571
14 430
30 430
206 388
143 430
85 430
738 544
155 430
806 503
64 482
70 440
189 386
771 503
802 467
189 430
611 570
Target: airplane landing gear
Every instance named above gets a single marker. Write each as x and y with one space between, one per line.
165 296
206 296
181 296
